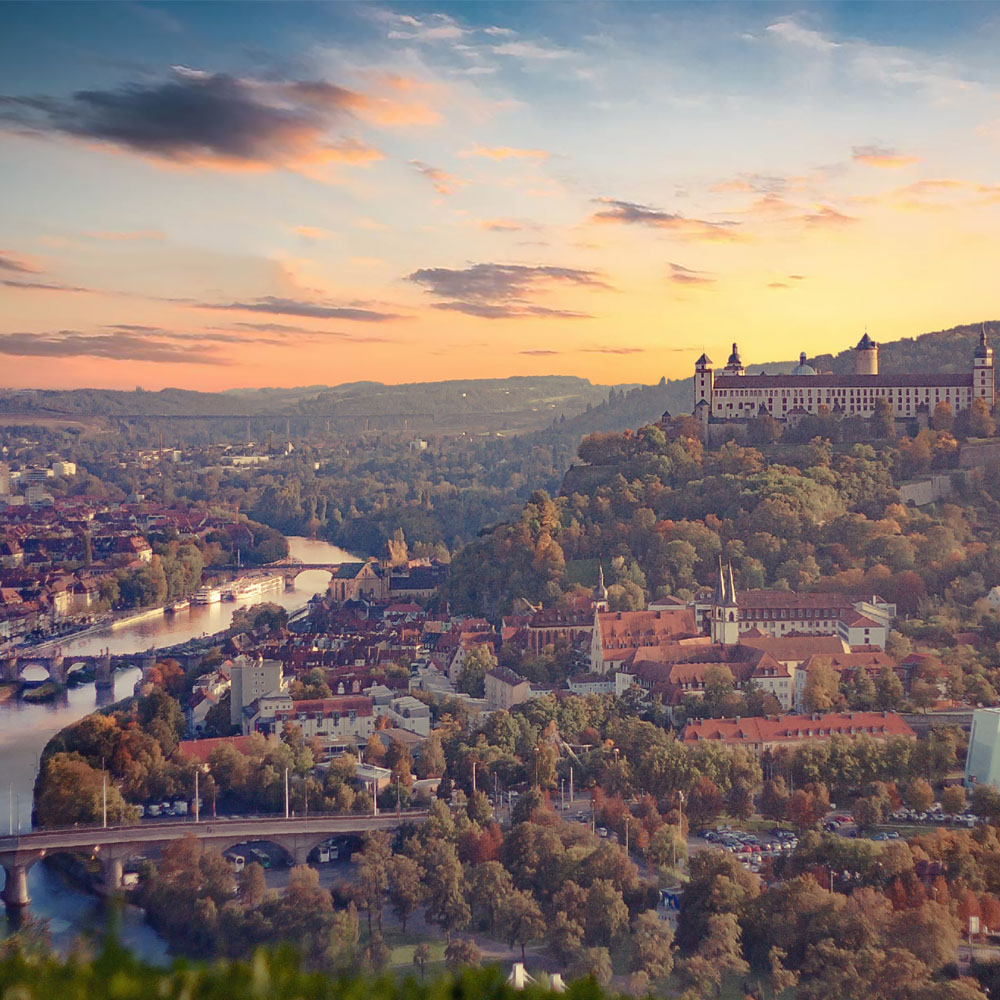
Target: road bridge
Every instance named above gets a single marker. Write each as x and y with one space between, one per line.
114 845
289 568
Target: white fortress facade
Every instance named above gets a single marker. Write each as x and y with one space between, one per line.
732 395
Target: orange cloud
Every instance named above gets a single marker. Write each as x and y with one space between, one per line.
209 120
882 158
632 213
311 232
824 215
444 183
504 153
140 234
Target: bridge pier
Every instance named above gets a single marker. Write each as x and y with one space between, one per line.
147 661
57 668
8 669
105 671
15 890
111 875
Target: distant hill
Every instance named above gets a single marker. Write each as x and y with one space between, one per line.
475 406
941 351
560 406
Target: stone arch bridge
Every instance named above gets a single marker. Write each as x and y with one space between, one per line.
288 568
114 845
59 664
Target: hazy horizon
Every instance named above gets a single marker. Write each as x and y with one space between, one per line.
221 196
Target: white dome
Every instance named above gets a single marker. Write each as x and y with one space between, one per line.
802 368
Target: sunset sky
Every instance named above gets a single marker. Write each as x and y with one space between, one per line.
220 195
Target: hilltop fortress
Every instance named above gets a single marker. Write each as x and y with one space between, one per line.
731 397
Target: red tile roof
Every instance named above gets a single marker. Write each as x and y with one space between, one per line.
797 728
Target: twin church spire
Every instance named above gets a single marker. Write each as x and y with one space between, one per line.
725 611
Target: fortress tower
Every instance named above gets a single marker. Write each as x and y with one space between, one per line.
983 383
866 356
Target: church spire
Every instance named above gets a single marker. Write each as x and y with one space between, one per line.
731 588
720 586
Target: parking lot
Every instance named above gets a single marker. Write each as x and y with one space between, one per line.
750 849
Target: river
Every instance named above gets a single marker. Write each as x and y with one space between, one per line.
25 729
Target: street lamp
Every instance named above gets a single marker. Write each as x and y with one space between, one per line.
680 824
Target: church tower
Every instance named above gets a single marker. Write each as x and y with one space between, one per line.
734 366
703 380
983 384
600 591
725 610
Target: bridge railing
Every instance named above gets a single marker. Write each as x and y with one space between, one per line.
261 819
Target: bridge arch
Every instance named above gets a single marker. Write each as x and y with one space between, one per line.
281 851
34 672
306 577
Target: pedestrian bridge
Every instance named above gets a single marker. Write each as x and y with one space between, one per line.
113 845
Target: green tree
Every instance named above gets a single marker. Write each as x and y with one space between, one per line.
652 946
606 912
521 918
373 876
405 879
421 956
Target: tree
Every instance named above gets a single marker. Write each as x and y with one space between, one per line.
943 418
822 690
919 795
490 886
930 931
667 845
431 763
953 800
808 805
869 811
406 888
70 791
477 664
593 962
373 876
445 884
399 760
888 690
924 694
564 937
252 885
652 946
461 953
521 918
606 912
774 799
704 802
883 421
421 956
375 751
979 423
739 801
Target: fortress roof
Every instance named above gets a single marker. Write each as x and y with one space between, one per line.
930 380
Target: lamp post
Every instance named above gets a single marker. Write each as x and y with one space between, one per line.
197 814
680 824
286 793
